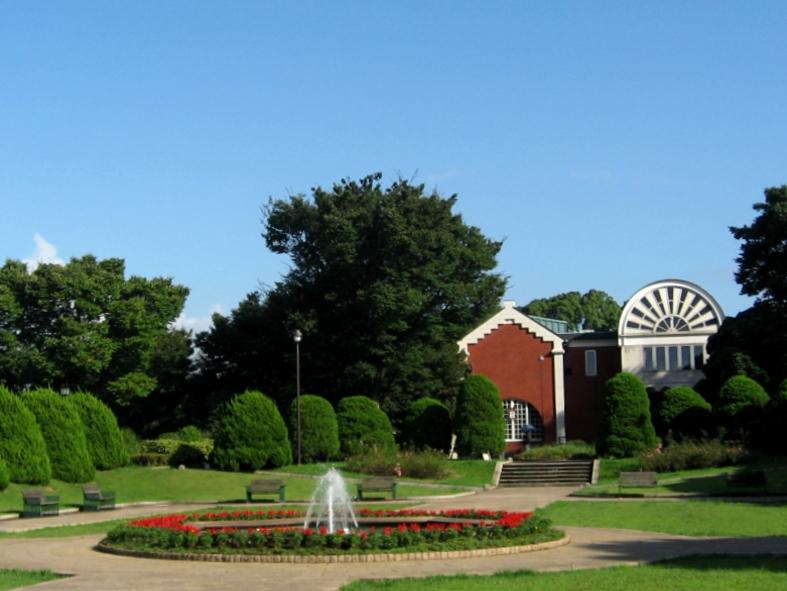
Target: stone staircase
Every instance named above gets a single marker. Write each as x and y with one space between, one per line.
557 473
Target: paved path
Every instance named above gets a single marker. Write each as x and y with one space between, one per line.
590 548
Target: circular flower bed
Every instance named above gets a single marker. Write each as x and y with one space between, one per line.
281 532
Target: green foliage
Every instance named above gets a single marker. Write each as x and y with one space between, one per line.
189 433
428 425
22 446
691 455
320 435
684 412
781 393
130 441
362 425
104 440
83 325
5 475
626 428
410 464
570 450
64 435
250 434
738 394
595 309
479 423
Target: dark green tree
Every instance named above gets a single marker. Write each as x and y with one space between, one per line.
593 310
5 475
104 441
384 281
22 446
479 422
363 425
83 325
684 412
626 427
428 425
320 429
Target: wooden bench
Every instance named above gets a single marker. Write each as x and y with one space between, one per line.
97 499
265 487
751 478
379 484
637 479
37 504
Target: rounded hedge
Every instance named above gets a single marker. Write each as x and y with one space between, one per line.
626 428
363 425
684 411
64 435
479 423
320 429
22 446
5 475
739 393
104 439
250 434
428 424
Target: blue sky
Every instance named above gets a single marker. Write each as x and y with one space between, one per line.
609 144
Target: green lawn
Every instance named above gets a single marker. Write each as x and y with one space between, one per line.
14 578
135 484
696 573
690 518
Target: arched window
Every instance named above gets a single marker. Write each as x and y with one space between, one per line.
523 421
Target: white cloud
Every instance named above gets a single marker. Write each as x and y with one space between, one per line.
44 253
197 323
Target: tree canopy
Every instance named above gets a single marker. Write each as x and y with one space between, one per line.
384 281
83 325
593 310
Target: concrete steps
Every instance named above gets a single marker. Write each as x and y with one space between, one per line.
565 472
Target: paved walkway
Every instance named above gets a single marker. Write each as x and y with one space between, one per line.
590 548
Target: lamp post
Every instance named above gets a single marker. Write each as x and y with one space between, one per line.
296 336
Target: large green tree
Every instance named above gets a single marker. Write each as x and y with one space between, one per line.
594 310
84 325
383 283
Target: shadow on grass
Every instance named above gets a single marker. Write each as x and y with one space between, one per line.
768 562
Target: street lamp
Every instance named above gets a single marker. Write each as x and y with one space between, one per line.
296 336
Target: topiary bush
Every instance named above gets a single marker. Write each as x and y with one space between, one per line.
428 425
250 434
104 439
363 424
320 429
5 475
22 446
684 412
64 435
739 393
479 424
626 428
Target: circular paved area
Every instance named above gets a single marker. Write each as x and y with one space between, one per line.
590 548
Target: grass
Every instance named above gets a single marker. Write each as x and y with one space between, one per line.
14 578
695 573
136 484
689 518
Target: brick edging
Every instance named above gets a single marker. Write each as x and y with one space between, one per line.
332 558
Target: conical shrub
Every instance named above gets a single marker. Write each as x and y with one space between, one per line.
104 440
22 446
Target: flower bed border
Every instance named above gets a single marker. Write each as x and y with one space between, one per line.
328 558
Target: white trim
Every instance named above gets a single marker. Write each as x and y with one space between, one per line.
510 315
560 396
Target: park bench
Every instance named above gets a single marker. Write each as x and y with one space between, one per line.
37 504
97 499
384 484
265 487
748 478
637 479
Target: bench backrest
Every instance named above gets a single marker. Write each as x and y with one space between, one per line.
265 485
91 487
378 482
638 479
32 495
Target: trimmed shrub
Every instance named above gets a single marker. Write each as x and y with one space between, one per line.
130 441
428 425
479 424
320 435
104 440
22 446
570 450
626 428
691 455
5 475
684 412
64 435
739 393
250 434
189 434
363 424
410 464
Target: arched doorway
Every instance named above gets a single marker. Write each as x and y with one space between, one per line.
523 422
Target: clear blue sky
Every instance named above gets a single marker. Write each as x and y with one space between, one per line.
609 143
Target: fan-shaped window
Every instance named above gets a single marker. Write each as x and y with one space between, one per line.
523 421
670 307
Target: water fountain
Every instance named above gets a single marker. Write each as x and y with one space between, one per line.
331 506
